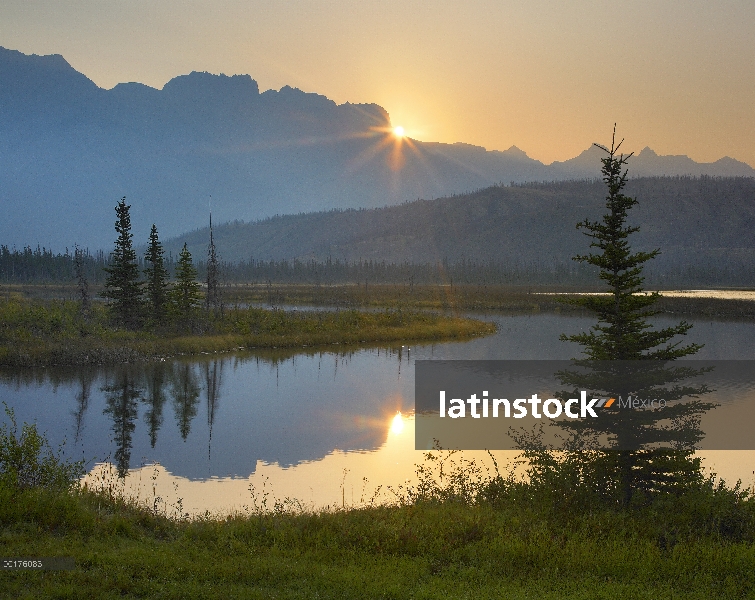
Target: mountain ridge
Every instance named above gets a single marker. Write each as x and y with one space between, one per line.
70 150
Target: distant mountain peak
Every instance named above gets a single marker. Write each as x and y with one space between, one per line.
202 82
48 60
647 152
33 80
515 152
587 159
464 145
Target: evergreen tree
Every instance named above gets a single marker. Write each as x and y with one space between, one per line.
625 356
157 278
185 293
81 279
213 300
622 332
122 285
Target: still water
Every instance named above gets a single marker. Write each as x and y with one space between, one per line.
223 433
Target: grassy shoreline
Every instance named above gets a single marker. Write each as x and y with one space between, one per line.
40 333
35 331
502 539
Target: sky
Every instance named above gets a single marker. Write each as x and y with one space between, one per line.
547 76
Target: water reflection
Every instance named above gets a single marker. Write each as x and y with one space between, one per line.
185 394
397 425
275 410
157 377
87 377
299 419
212 378
350 479
122 400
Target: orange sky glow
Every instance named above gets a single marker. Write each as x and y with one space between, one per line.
548 77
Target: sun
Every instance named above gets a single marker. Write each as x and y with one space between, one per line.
398 131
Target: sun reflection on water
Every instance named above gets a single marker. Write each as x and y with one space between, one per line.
397 425
339 480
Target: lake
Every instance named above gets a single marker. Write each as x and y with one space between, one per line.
226 433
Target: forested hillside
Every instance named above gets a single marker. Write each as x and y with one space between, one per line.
705 225
705 228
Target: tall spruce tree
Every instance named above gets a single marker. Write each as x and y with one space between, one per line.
185 294
623 356
213 300
622 332
157 278
122 285
81 279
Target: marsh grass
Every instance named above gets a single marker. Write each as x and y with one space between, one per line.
462 529
55 332
467 297
434 297
448 297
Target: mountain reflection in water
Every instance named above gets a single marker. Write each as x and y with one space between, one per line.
275 410
303 421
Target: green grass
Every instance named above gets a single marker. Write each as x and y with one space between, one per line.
458 532
469 297
426 549
434 297
54 332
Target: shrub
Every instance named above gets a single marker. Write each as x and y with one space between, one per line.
27 461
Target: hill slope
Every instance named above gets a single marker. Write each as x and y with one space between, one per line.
695 221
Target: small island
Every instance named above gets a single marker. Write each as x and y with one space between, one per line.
153 318
55 332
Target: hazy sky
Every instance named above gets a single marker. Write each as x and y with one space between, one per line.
550 77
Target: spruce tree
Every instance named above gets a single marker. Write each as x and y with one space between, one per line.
122 285
185 294
213 300
624 355
157 278
622 332
81 279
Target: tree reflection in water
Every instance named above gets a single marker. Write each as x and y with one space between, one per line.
122 400
185 392
212 378
87 375
157 377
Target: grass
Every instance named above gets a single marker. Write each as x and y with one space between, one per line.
433 297
419 551
47 332
449 298
469 297
37 327
459 532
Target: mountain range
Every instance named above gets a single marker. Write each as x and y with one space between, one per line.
69 150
